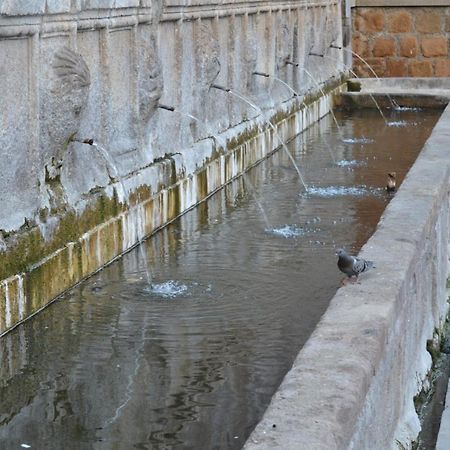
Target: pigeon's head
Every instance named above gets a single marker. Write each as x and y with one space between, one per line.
340 252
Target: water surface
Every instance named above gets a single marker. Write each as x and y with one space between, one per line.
192 362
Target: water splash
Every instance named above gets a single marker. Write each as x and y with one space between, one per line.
361 140
338 191
288 231
401 123
407 108
168 289
350 163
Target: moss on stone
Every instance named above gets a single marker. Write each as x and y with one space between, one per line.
353 86
202 184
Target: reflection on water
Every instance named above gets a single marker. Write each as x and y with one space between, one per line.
192 361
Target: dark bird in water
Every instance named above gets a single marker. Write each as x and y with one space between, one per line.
351 265
390 186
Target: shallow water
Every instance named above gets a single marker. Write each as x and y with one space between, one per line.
192 361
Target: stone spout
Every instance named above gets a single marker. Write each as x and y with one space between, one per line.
336 46
261 74
315 54
167 108
88 141
221 88
292 63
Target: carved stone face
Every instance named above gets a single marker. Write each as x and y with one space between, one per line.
208 56
250 58
283 45
150 79
63 100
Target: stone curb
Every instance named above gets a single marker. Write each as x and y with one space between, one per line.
353 384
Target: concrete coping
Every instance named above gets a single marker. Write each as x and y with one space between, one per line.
397 3
403 84
328 400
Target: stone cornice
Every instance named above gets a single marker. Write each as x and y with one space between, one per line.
173 10
13 26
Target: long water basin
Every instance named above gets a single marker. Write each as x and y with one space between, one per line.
238 285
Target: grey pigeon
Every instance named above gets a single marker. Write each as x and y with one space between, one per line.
351 265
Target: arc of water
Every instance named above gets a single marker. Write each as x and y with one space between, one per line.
310 75
203 124
258 203
260 111
394 104
111 164
223 143
370 95
296 94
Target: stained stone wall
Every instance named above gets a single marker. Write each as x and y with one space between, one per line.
97 69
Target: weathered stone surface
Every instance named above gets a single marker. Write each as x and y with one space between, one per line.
408 46
58 6
428 22
20 157
400 22
420 69
383 47
22 7
435 46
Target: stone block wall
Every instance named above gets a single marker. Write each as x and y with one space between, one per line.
401 41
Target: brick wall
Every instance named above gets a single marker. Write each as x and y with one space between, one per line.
402 41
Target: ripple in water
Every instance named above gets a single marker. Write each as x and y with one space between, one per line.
336 191
287 231
361 140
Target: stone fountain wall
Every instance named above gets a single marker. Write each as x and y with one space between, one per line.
79 69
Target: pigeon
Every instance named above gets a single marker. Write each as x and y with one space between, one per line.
390 186
351 265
